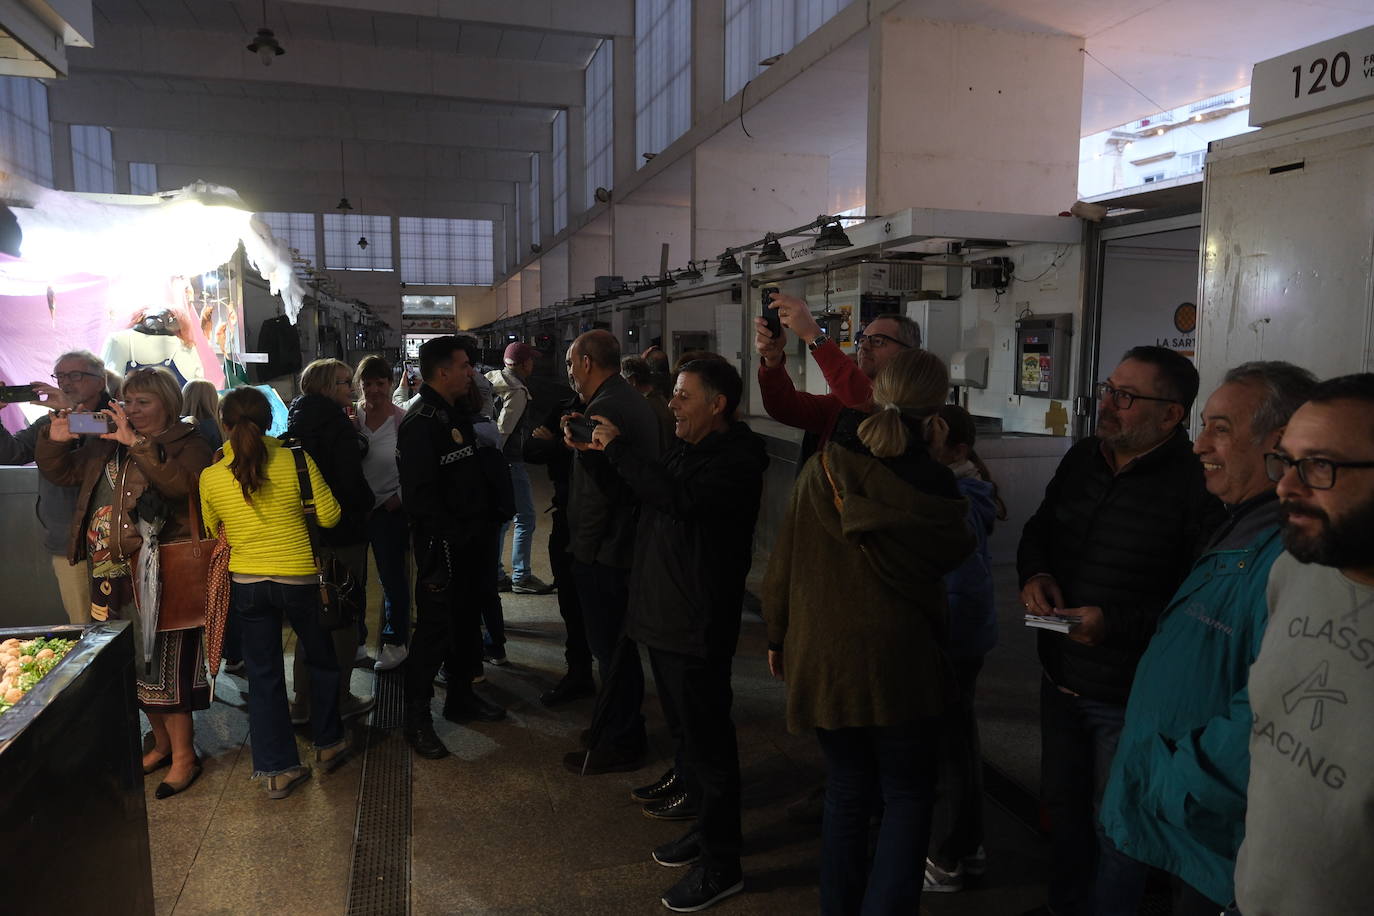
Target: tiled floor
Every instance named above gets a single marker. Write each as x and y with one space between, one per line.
501 827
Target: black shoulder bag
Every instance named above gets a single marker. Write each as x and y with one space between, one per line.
339 591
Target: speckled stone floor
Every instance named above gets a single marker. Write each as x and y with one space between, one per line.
501 827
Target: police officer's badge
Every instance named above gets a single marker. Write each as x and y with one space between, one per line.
457 436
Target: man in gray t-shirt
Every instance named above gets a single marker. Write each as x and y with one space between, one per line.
1309 827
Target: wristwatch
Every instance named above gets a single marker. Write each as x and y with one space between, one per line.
819 341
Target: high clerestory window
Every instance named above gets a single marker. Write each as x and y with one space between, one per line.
25 132
663 74
342 232
536 235
92 159
142 178
758 29
599 131
559 188
295 230
446 252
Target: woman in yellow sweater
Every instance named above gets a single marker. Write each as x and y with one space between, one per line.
254 490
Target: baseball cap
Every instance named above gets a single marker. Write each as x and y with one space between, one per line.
518 352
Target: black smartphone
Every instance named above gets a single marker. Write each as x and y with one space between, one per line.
89 424
770 314
581 428
17 394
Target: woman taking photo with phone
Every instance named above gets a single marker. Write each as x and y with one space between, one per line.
145 467
255 491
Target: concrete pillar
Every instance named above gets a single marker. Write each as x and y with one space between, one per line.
623 108
708 57
577 157
553 274
503 237
121 175
738 197
965 117
546 191
589 257
63 178
529 288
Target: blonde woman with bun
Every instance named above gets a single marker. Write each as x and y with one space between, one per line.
855 606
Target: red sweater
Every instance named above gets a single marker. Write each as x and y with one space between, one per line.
815 413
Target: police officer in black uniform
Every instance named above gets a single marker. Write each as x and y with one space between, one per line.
457 494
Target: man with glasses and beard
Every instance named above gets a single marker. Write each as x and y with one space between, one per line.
1309 824
1121 522
80 377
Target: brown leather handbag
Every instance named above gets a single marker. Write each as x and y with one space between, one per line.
185 574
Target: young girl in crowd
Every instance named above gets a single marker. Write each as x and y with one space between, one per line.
255 491
972 633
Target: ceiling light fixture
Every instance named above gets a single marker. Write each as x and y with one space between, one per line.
343 203
362 242
832 237
770 61
266 46
772 252
727 265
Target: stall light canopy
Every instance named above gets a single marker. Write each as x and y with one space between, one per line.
188 232
772 252
728 266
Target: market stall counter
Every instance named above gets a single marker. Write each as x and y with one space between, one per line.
71 784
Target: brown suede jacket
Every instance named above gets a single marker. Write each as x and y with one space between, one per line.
170 463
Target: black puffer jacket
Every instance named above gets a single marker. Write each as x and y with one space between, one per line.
324 431
695 540
1122 542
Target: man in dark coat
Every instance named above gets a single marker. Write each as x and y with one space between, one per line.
698 507
1122 520
602 515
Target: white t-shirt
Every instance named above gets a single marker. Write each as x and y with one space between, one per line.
379 464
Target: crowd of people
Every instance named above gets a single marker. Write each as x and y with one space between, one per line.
1201 707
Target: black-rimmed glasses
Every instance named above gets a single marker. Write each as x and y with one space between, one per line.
878 341
1316 473
1123 399
76 376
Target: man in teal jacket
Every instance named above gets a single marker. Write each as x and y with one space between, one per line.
1176 795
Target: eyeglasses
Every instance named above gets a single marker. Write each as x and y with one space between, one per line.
1124 399
1316 473
878 341
61 377
344 381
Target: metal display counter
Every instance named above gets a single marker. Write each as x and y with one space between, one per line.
71 780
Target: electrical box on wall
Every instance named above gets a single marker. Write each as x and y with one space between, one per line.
1042 355
969 368
991 273
941 325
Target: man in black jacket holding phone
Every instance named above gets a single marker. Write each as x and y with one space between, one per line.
698 507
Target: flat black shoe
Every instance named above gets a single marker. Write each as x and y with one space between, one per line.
567 690
472 708
673 808
419 734
701 888
667 785
167 790
685 850
595 763
165 761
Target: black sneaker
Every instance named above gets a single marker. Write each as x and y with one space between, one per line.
667 785
677 807
503 584
469 707
702 888
531 585
419 734
597 762
569 689
684 850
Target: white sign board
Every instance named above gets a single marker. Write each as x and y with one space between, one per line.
1314 78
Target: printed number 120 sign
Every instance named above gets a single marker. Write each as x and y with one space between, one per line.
1320 76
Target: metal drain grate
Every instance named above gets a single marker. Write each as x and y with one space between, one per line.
379 881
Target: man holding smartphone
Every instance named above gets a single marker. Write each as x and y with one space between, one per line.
80 377
850 380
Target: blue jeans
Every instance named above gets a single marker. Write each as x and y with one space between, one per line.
525 517
899 764
259 608
389 535
1078 738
